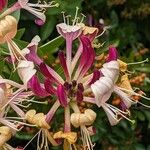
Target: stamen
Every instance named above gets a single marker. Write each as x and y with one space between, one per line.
17 93
31 140
67 17
75 18
64 18
140 62
134 93
143 104
82 19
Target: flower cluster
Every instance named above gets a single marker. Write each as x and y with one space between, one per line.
80 82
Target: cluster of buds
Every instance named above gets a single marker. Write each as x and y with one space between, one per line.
69 91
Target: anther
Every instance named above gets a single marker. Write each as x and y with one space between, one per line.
74 83
80 87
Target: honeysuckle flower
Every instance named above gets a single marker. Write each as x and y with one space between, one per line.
66 91
70 33
3 3
37 9
107 84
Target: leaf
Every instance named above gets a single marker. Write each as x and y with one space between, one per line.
50 47
23 135
16 14
145 69
48 28
20 33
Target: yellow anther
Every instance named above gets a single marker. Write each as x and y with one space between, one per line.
71 137
37 119
8 28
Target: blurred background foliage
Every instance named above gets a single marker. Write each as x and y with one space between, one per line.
129 30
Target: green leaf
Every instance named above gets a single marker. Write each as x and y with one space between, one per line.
23 135
20 33
48 28
145 69
50 47
16 14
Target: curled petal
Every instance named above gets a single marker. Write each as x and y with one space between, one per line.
30 52
63 63
36 87
113 55
102 90
26 70
90 32
49 87
50 73
111 116
96 76
111 70
87 57
62 95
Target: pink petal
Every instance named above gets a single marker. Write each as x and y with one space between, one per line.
36 87
87 57
113 55
63 63
50 73
49 87
3 3
96 76
62 97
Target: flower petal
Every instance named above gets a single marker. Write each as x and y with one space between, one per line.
113 55
62 95
36 87
25 70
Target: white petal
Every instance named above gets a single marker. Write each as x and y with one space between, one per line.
25 70
111 116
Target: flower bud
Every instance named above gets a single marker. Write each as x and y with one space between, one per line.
8 28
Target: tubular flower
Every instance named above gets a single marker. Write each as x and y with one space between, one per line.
107 84
70 33
37 9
